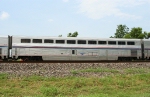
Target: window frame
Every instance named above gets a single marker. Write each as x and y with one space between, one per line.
59 41
25 40
49 41
36 40
73 42
93 42
122 43
81 42
130 42
112 43
103 42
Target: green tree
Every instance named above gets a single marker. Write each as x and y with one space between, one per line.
136 33
75 34
127 35
121 31
147 35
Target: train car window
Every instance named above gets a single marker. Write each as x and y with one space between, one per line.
92 42
101 42
112 42
73 51
121 43
48 41
37 40
60 41
130 43
25 40
71 42
81 41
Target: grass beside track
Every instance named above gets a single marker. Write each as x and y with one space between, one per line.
134 82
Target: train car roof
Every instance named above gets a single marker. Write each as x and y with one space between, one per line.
3 36
76 38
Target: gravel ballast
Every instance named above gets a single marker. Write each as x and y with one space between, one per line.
66 69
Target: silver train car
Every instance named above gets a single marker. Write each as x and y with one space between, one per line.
3 47
73 48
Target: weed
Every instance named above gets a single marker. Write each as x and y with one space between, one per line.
96 70
74 72
33 78
135 70
49 91
3 76
95 95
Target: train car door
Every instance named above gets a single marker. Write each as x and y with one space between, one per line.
74 54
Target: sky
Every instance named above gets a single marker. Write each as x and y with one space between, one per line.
90 18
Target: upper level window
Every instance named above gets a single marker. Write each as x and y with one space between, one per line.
37 40
130 43
101 42
60 41
81 41
112 42
121 43
92 42
25 40
48 41
71 42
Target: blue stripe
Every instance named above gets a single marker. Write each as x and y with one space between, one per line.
3 46
75 47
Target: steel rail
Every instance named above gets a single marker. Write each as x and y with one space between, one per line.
77 61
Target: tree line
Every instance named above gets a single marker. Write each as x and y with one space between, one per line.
123 31
75 34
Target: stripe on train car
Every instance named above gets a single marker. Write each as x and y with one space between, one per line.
73 47
3 46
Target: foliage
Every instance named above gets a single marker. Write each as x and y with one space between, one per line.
75 34
136 70
121 31
3 76
136 33
49 91
95 70
147 35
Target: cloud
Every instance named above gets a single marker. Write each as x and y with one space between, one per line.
4 15
50 20
65 0
97 9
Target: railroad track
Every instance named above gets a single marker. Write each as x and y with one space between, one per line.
56 61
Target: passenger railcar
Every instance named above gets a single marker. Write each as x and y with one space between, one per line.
3 47
73 48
